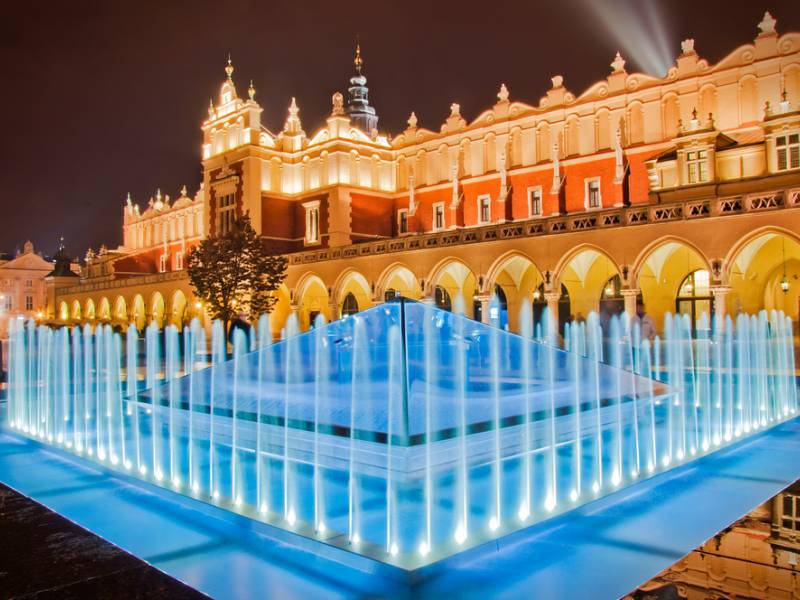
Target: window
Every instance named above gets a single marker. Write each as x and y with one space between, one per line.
484 209
402 221
226 213
28 283
790 517
788 151
349 305
534 201
438 215
5 302
442 298
697 166
28 302
162 263
593 193
694 296
312 222
179 261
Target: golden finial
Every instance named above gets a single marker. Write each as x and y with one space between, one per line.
358 61
229 67
251 91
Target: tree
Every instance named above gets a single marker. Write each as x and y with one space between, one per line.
234 274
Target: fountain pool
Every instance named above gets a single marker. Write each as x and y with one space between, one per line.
404 433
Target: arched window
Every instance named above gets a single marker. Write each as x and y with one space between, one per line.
540 303
442 298
498 308
611 300
391 294
349 305
694 296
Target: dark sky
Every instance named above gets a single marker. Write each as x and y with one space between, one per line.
105 98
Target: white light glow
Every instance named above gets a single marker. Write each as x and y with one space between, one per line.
461 534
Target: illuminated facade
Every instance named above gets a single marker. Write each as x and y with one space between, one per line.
22 286
756 557
684 190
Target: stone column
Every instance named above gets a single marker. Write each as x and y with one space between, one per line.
552 299
629 297
720 293
333 308
485 300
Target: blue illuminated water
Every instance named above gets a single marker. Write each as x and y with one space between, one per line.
403 433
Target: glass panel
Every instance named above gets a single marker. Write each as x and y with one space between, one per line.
702 307
701 283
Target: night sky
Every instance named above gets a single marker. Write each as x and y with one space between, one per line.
102 99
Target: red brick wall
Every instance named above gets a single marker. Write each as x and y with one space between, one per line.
212 198
371 216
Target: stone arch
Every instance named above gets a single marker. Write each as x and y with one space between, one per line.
443 163
138 312
671 114
420 169
707 102
465 158
603 131
791 83
280 310
758 265
157 309
402 173
352 282
518 277
659 270
544 142
63 311
748 99
636 123
454 276
120 310
490 152
89 310
76 310
584 271
311 298
516 147
401 279
573 136
177 309
104 309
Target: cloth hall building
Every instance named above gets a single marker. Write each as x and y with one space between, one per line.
683 190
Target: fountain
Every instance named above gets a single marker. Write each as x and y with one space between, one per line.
403 433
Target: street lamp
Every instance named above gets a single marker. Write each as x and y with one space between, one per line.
784 280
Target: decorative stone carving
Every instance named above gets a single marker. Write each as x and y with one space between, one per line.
502 95
337 101
767 24
619 63
687 46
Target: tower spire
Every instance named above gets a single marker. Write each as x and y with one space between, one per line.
229 68
358 109
358 61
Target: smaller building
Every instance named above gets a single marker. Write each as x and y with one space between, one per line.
22 287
